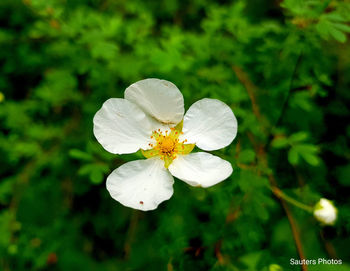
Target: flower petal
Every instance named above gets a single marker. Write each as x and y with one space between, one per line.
159 98
122 127
210 124
141 184
200 169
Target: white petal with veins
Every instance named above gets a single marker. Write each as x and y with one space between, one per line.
159 98
141 184
200 169
122 127
210 124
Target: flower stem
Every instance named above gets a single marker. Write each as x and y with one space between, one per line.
289 199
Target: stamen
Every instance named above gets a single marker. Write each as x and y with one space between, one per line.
167 145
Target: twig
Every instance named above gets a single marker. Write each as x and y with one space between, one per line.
131 233
170 265
230 217
287 198
328 246
286 100
218 252
250 87
292 224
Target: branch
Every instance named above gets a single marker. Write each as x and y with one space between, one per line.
286 100
250 87
292 223
131 233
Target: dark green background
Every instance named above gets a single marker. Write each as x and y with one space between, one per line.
282 66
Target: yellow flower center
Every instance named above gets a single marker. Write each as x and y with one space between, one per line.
168 145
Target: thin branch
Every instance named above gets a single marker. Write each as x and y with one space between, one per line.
292 223
218 252
250 87
286 100
131 233
328 246
289 199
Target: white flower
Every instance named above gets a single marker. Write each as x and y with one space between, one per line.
325 212
151 118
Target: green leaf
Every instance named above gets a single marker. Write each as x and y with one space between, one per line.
342 27
334 17
96 176
280 142
297 137
275 267
306 148
80 155
338 35
246 156
311 159
293 156
94 171
323 28
105 50
308 153
251 260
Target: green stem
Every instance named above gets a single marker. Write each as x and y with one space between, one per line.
289 199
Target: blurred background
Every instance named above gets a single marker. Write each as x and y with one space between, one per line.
282 66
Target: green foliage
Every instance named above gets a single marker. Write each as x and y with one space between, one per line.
281 66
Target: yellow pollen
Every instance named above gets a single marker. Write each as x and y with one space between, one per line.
167 145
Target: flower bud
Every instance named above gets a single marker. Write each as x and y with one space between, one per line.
325 212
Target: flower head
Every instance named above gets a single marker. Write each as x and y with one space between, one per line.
325 212
151 118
